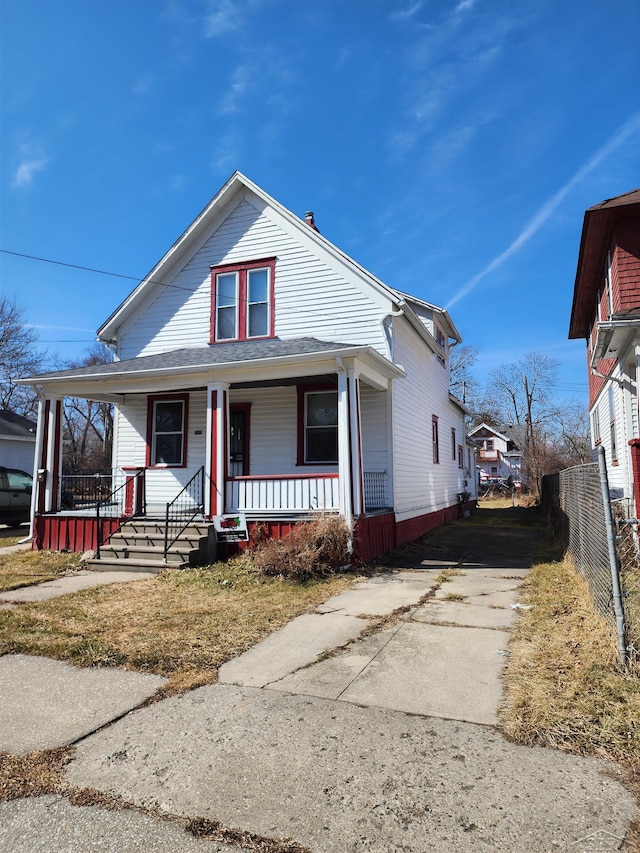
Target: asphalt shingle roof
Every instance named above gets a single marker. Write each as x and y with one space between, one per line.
231 353
16 426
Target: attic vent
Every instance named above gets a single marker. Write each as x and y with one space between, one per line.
310 220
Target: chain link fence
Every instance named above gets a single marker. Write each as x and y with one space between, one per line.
574 502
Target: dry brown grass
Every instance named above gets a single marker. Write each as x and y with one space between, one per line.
180 624
314 548
33 774
23 568
563 685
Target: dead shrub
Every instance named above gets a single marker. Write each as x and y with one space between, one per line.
314 548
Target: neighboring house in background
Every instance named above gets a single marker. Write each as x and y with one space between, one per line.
17 441
259 359
606 312
497 455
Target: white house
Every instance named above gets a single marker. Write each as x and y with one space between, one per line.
266 373
497 455
17 441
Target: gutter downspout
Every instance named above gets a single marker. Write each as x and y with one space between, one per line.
37 456
387 330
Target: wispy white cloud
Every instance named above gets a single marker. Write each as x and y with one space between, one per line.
57 328
403 14
544 213
226 154
241 80
222 17
27 169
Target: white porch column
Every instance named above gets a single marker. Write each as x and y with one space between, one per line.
216 448
48 456
357 491
344 449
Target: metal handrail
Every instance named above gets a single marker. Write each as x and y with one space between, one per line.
194 489
100 540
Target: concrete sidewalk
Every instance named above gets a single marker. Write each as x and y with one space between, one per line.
383 742
65 585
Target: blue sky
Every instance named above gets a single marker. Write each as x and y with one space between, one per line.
449 147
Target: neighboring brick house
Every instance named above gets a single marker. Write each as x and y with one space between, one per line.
606 313
497 455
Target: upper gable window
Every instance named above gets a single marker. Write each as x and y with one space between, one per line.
242 303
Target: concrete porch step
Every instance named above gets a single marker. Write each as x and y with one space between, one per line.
179 553
139 546
109 564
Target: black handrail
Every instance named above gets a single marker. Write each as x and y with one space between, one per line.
100 540
189 500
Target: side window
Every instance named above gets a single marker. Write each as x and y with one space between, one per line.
435 439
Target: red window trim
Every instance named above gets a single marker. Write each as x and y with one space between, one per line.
166 398
242 269
302 390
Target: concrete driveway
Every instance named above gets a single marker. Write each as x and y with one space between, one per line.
367 725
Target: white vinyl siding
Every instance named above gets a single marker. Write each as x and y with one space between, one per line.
421 486
162 484
17 454
312 298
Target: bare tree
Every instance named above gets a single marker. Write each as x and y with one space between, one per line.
462 382
88 425
19 357
523 392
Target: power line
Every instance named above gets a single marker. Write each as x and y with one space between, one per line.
92 269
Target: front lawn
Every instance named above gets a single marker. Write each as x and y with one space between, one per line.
180 624
24 568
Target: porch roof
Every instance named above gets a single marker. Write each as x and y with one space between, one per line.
238 361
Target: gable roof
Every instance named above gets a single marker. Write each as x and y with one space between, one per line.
490 429
14 426
200 228
214 213
594 243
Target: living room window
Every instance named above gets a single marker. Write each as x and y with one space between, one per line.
318 426
242 301
167 430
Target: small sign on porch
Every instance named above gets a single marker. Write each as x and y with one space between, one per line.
231 528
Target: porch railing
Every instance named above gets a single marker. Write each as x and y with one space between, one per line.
126 500
80 491
181 511
375 490
278 494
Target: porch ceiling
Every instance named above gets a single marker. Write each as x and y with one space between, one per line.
253 362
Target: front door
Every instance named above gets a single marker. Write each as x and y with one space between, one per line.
239 441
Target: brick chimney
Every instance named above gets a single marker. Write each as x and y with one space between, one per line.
310 220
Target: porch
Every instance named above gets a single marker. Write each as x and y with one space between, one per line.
302 428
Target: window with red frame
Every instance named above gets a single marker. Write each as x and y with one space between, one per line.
167 430
242 301
435 439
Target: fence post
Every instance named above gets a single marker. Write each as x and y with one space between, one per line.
613 557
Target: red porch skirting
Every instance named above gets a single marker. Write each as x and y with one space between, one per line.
69 532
